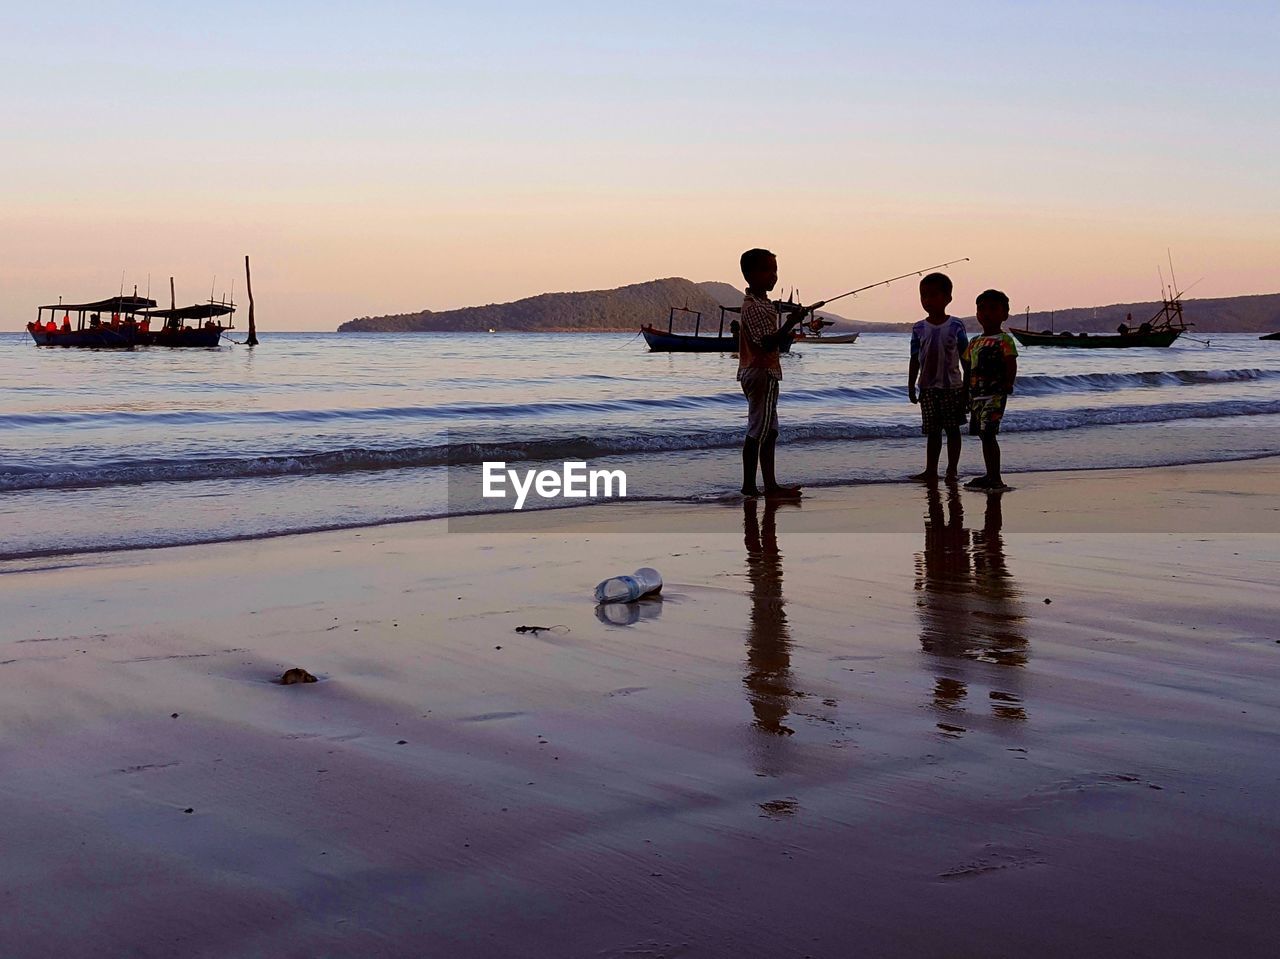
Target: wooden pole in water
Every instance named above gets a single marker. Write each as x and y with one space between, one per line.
248 282
173 299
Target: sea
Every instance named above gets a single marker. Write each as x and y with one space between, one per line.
312 431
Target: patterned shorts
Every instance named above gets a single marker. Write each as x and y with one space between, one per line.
985 413
761 391
941 409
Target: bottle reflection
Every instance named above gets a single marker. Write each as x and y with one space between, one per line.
971 623
768 676
628 614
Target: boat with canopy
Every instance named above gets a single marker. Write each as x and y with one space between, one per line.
119 330
669 341
124 322
172 330
812 332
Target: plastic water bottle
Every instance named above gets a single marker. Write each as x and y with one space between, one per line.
627 589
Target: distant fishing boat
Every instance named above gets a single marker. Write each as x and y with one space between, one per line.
668 341
128 323
813 333
825 339
1160 331
89 330
174 331
1271 336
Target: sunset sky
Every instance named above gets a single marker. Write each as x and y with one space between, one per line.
389 157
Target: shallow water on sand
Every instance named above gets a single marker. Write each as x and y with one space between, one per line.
105 450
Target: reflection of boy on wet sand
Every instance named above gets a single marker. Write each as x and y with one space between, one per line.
943 579
968 608
768 678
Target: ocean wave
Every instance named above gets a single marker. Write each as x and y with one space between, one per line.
533 411
565 446
1089 382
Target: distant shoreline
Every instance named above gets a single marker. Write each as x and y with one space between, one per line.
626 309
902 329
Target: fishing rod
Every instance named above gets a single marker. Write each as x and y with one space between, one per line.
872 286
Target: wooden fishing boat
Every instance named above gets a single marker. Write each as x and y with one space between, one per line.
669 341
813 333
131 321
1090 341
1271 336
661 341
1160 331
825 339
89 330
172 329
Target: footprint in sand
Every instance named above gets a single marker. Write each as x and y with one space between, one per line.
994 858
489 717
779 808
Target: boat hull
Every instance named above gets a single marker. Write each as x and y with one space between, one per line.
1270 336
100 338
826 339
1157 338
662 342
190 337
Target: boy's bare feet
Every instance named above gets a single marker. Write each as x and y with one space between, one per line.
978 482
952 476
749 491
925 477
782 492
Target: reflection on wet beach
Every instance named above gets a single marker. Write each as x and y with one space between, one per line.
768 676
971 619
628 614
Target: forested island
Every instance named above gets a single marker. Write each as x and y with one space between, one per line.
627 308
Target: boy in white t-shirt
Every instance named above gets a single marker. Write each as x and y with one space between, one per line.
937 361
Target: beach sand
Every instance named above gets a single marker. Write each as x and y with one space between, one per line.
850 728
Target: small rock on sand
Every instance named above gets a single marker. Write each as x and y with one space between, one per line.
296 675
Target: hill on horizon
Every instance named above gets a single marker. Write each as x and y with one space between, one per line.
627 308
1258 313
624 309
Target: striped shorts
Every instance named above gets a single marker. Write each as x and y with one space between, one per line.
761 391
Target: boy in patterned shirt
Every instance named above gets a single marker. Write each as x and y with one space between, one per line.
992 359
760 372
937 349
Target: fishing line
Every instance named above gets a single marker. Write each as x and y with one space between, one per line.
872 286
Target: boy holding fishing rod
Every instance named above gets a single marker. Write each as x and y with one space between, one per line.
938 345
760 340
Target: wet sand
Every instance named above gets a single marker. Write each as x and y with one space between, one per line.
850 728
